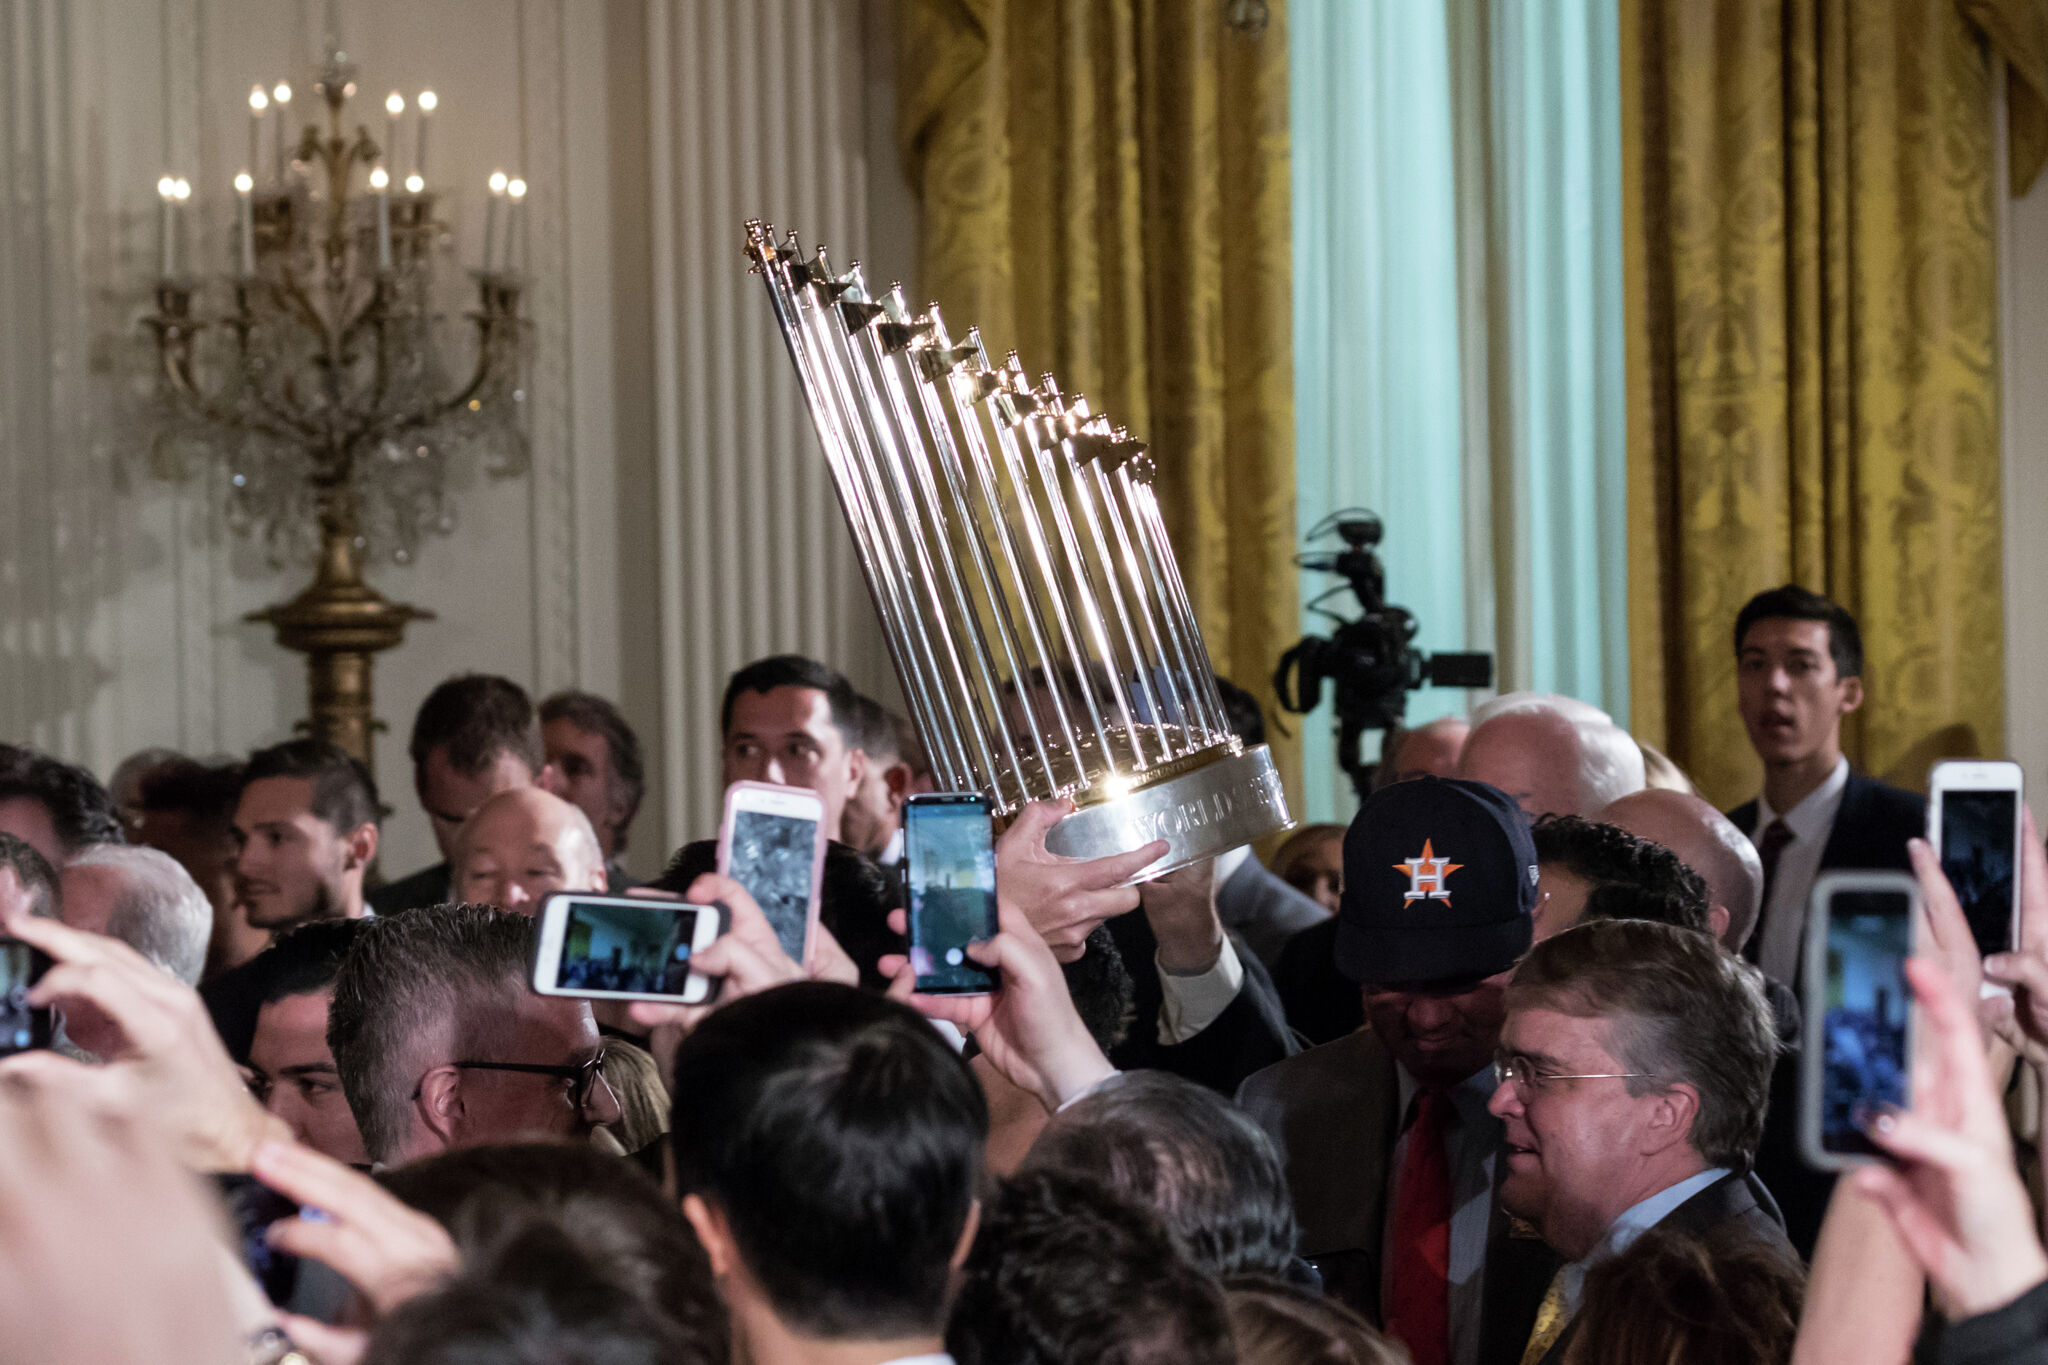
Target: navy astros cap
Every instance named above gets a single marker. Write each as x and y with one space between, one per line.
1439 884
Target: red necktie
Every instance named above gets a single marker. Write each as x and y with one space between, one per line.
1419 1281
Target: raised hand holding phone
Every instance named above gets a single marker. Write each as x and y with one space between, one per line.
623 948
949 846
772 842
1974 819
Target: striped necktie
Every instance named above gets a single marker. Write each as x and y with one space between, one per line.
1550 1321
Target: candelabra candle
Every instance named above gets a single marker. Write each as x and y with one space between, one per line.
394 110
258 102
282 98
498 183
181 194
245 218
380 181
515 190
427 103
166 190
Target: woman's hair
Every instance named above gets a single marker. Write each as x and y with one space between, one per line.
1682 1298
644 1105
1273 1323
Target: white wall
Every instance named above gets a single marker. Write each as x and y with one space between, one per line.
676 521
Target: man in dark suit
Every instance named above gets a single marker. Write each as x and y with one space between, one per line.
1634 1065
1389 1149
1798 671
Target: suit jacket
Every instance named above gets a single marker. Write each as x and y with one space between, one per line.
1735 1210
1250 1033
1264 910
1334 1112
428 886
1871 827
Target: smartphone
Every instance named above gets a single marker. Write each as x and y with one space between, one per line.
1858 1050
949 846
22 1028
772 842
254 1207
1973 821
622 948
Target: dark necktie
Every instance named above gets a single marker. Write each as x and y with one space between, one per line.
1777 834
1419 1281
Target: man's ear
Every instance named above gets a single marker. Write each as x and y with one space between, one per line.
549 779
1852 694
898 777
439 1106
967 1232
1717 922
712 1234
361 846
1671 1121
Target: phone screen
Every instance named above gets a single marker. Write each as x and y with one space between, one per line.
22 1029
772 856
1863 1026
951 852
644 950
1978 856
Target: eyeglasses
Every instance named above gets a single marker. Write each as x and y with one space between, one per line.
1518 1071
584 1076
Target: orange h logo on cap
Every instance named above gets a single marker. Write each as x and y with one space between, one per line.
1427 874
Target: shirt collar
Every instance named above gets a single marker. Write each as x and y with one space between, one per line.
1639 1218
1814 814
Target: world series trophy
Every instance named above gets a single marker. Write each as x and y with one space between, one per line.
1012 543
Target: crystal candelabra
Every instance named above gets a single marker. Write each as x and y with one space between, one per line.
324 383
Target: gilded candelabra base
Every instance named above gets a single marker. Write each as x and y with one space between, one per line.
341 624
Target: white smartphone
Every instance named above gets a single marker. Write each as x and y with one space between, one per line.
622 948
1973 821
772 842
1858 1048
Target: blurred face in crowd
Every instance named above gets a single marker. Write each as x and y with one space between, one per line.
1580 1152
786 736
292 1074
874 807
202 847
1533 756
473 1105
1315 867
28 820
450 797
1791 699
1430 750
520 846
290 865
582 760
1440 1035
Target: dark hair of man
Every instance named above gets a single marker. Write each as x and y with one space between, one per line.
594 715
474 717
1099 983
794 670
1192 1157
38 879
1607 855
841 1137
871 730
1280 1324
205 791
304 959
454 971
1682 1298
611 1211
344 795
536 1299
1064 1269
80 810
1241 709
1794 603
1659 905
1677 1009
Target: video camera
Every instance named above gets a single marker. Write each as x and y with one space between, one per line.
1371 660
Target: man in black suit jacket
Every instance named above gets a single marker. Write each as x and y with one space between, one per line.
1439 890
1798 671
1635 1065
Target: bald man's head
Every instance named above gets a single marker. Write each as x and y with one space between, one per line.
1556 755
522 844
1708 843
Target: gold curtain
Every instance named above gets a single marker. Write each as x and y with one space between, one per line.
1812 373
1104 189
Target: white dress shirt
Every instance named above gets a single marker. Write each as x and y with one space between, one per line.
1811 822
1189 1004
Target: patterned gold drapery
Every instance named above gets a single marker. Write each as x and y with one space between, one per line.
1811 290
1104 189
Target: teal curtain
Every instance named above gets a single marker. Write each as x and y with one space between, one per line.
1457 331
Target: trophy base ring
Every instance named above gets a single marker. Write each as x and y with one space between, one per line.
1217 807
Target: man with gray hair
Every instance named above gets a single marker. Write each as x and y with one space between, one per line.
440 1042
1555 755
143 897
1632 1077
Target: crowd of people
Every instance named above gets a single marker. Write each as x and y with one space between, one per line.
1504 1072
